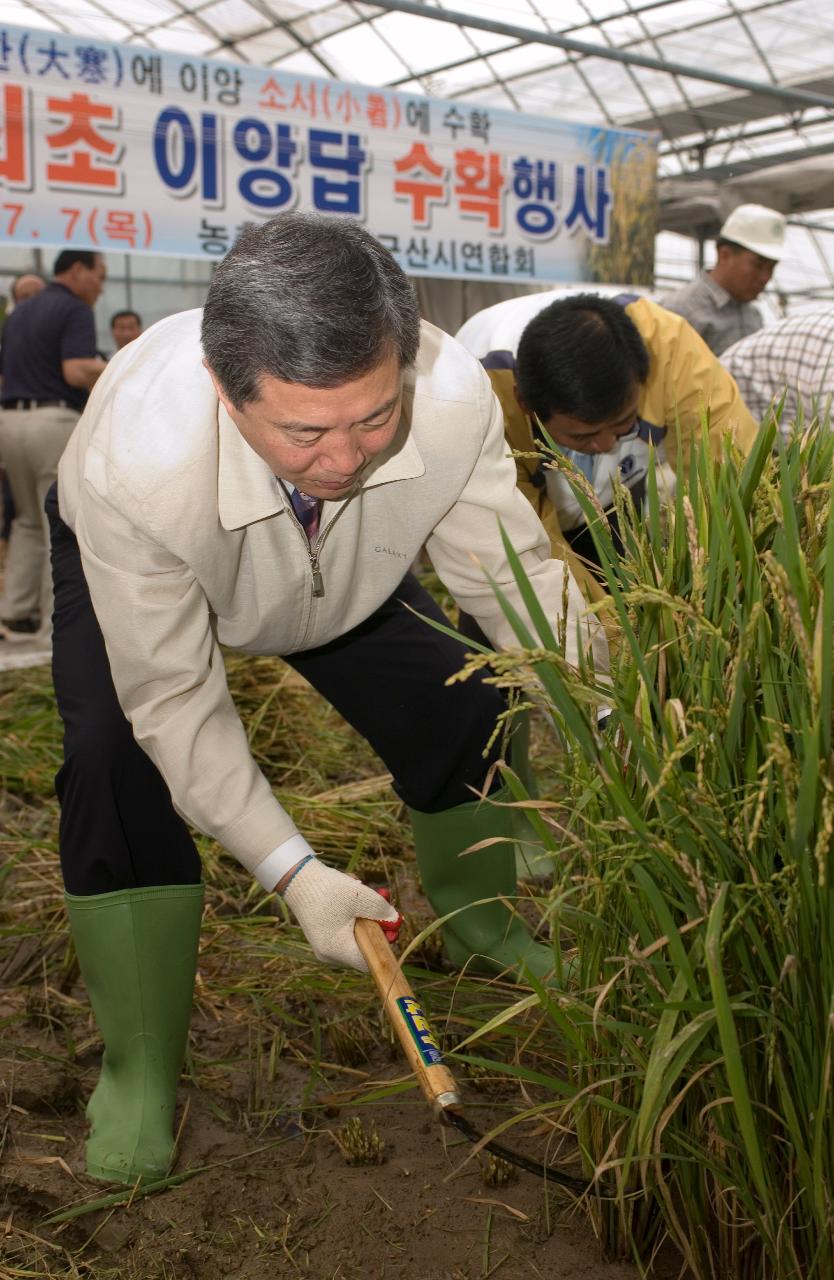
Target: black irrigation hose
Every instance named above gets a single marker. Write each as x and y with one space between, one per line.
547 1171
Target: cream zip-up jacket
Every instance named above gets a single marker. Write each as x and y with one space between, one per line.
188 542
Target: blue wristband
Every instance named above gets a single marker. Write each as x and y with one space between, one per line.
295 871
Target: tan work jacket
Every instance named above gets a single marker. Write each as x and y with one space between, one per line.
188 542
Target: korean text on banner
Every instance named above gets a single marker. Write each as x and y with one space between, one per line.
117 147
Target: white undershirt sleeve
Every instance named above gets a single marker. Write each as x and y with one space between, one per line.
282 859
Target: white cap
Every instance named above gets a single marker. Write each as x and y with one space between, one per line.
757 228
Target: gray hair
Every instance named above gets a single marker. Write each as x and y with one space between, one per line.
306 299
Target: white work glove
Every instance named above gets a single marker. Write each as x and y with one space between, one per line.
326 903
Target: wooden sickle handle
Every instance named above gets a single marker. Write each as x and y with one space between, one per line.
406 1014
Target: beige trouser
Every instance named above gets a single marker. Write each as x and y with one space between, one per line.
31 444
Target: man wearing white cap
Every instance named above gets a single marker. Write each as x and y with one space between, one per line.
719 304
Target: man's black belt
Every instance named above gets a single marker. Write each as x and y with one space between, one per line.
36 404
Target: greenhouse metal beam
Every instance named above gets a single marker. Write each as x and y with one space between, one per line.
736 168
723 112
527 35
627 12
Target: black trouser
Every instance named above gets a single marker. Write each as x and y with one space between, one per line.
8 507
581 542
386 677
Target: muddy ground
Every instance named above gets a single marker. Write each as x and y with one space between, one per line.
266 1201
285 1059
266 1198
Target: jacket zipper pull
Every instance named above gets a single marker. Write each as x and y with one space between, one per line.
318 580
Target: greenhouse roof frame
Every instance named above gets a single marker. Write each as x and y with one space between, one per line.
655 65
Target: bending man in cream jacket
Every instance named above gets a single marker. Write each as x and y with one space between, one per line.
260 475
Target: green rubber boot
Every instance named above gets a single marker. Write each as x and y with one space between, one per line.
137 949
532 860
488 937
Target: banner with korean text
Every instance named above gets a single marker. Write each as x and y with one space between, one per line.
123 148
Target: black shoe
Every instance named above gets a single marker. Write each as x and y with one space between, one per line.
18 630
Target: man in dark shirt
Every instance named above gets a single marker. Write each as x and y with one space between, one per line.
48 364
23 287
27 286
125 326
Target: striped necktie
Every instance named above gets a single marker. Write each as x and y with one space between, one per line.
307 510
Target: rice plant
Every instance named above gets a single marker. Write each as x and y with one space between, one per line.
695 882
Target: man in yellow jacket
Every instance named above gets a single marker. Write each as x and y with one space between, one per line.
605 376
